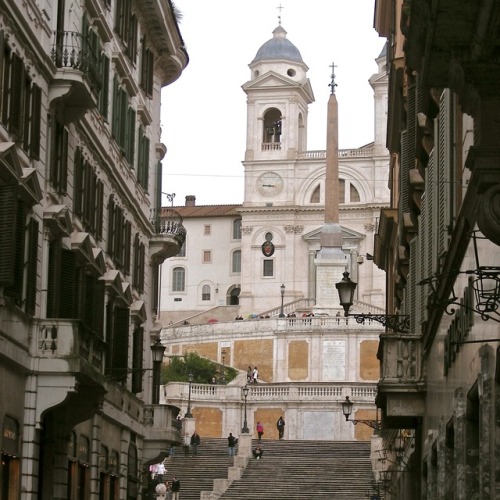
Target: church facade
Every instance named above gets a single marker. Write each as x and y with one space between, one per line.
241 255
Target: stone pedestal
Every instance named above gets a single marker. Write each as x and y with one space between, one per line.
245 445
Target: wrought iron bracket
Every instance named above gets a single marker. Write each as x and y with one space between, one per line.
374 424
400 324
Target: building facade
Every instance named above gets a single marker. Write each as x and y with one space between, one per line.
241 255
258 262
80 178
438 242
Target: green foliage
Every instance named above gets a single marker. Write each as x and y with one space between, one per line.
202 369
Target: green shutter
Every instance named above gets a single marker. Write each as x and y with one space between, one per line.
120 343
16 96
8 212
36 113
53 279
67 285
137 359
98 313
16 289
32 271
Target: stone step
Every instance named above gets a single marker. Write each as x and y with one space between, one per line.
289 470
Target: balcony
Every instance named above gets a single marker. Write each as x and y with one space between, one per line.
69 361
168 234
400 389
161 430
77 81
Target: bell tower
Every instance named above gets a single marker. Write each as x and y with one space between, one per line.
278 96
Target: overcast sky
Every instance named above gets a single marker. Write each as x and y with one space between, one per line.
204 112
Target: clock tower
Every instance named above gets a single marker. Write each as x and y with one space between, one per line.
279 93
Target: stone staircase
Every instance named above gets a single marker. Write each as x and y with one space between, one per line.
329 470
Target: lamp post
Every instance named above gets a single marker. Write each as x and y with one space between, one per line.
157 350
347 410
223 352
244 429
188 412
282 288
346 288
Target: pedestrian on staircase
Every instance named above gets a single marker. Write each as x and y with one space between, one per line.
195 442
260 430
176 486
280 424
231 443
255 375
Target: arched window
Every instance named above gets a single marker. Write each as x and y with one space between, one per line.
237 229
236 262
272 126
354 195
178 279
205 292
315 197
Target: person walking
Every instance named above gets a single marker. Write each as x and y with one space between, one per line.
160 471
280 424
249 375
186 444
231 444
255 375
195 442
260 430
176 487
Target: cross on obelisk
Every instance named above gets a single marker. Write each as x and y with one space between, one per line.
280 8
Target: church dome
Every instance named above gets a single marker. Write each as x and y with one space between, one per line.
278 47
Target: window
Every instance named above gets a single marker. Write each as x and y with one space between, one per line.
237 229
21 101
143 160
139 259
207 230
182 251
147 68
315 197
205 292
207 256
268 267
123 122
127 27
59 157
178 279
88 196
119 236
354 194
236 262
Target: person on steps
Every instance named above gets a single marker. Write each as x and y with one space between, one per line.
280 424
260 430
258 452
231 443
176 487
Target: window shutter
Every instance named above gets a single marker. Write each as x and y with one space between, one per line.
53 279
32 267
67 284
16 98
137 359
127 247
103 103
115 120
77 193
444 187
8 211
111 225
120 343
98 315
2 62
99 209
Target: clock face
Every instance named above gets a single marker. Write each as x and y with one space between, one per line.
269 184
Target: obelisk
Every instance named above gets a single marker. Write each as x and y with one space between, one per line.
330 261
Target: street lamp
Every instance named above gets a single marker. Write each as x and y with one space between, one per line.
346 288
223 352
188 413
157 351
282 288
244 429
347 410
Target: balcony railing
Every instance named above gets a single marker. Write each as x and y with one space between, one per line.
61 339
168 221
342 153
71 50
259 326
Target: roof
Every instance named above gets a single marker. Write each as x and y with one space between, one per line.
187 212
278 47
